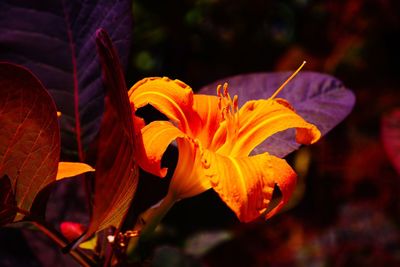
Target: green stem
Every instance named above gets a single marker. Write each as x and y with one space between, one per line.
57 238
148 221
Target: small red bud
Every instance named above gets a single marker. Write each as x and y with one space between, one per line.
72 230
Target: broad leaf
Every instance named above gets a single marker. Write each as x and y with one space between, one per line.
390 131
29 135
319 98
116 171
55 39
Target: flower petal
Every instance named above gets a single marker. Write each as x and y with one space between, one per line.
262 118
70 169
171 97
246 184
155 139
206 107
188 179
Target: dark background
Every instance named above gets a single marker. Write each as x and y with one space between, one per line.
346 208
346 212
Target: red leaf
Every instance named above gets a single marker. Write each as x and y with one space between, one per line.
390 131
29 134
72 230
116 171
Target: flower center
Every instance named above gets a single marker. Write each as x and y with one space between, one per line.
228 108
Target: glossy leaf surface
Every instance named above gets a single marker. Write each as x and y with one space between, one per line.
29 135
116 171
55 39
319 98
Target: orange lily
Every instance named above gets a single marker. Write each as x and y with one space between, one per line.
214 140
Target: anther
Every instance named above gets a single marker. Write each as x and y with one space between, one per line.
225 89
219 90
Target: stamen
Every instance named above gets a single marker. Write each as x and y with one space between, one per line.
219 90
235 103
236 115
287 81
225 89
219 97
223 111
226 104
228 108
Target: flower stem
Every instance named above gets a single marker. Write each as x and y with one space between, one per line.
148 221
57 238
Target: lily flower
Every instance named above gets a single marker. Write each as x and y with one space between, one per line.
215 138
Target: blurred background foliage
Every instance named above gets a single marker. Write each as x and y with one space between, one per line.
346 208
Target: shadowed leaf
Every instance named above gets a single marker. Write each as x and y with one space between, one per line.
319 98
55 39
29 134
201 243
168 256
390 131
7 201
116 171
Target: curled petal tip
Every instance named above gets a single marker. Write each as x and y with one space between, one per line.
308 136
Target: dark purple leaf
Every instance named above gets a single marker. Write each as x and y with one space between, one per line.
55 39
116 171
390 131
319 98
